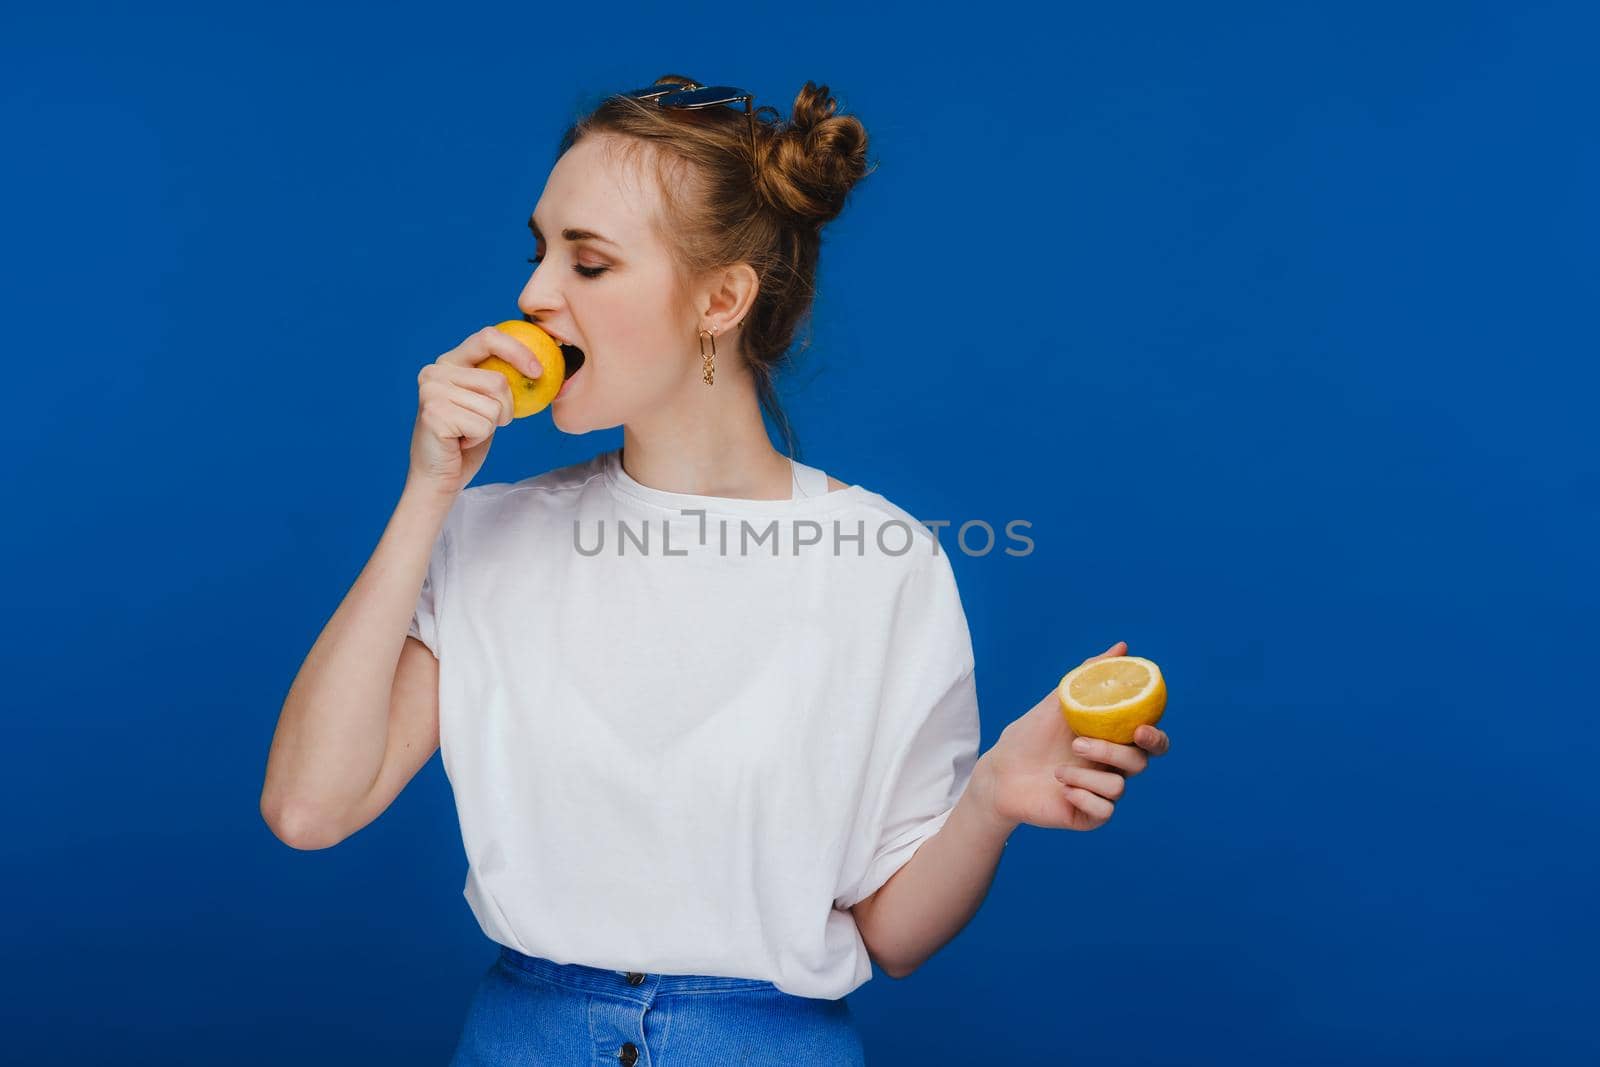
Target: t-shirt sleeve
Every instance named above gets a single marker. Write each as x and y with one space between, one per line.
927 746
425 618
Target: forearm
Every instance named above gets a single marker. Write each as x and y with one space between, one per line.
939 890
332 731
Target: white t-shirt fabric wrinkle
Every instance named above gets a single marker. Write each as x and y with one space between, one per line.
688 743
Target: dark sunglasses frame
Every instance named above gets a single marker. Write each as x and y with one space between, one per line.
691 95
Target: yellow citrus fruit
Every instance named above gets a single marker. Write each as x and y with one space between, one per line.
1111 698
531 395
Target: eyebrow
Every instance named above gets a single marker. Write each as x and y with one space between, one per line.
574 235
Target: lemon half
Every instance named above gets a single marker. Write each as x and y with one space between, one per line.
1111 698
531 395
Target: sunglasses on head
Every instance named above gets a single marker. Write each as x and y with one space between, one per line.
692 95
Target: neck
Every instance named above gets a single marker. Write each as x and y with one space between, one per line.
709 441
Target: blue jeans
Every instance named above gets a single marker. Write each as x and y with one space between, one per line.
530 1010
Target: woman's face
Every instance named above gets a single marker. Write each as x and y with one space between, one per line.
613 294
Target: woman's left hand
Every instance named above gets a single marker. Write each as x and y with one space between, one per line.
1040 772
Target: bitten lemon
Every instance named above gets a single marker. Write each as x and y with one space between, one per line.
1111 698
531 395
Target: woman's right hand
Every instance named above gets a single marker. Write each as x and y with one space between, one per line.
459 406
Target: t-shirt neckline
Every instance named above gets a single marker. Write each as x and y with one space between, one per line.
621 482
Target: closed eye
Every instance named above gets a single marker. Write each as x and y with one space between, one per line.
587 272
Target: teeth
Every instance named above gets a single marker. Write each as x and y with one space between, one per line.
556 337
571 353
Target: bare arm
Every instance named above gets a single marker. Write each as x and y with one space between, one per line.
928 901
362 715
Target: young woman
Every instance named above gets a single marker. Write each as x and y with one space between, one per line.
709 714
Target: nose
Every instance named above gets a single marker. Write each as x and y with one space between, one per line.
540 298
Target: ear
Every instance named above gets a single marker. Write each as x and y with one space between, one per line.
728 295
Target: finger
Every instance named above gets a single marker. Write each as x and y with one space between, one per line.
491 341
513 351
490 385
494 383
490 407
1118 649
1091 804
472 428
1154 741
452 410
1108 784
473 349
1128 759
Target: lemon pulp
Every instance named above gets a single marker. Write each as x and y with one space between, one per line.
1111 698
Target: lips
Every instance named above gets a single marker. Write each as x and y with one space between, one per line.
571 354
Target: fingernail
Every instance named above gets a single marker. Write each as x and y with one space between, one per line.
1083 744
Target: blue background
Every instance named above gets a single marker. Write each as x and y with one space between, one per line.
1277 322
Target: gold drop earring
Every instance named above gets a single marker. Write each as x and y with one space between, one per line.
708 360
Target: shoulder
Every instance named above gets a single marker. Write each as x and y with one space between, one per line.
556 484
553 495
906 545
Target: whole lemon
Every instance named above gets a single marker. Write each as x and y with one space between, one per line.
531 395
1111 698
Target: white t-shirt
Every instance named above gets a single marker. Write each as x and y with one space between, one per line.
689 751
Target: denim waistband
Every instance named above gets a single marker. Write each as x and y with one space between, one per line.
644 985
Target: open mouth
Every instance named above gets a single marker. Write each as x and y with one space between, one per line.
572 356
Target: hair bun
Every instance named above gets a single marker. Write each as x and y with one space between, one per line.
814 160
